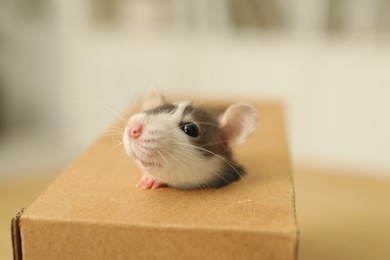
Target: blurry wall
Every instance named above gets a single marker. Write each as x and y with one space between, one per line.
65 65
29 85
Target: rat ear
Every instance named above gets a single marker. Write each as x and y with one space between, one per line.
153 99
238 122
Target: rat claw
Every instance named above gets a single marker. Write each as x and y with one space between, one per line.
158 185
147 183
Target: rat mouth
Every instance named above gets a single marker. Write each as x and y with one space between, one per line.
147 164
150 164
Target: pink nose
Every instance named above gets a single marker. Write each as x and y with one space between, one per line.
135 130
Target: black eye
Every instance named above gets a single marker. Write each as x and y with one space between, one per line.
190 129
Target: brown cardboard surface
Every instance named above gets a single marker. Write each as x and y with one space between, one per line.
93 210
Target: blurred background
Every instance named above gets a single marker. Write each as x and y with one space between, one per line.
65 66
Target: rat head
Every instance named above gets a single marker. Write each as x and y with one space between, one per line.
182 145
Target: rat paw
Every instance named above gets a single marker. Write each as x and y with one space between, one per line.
147 183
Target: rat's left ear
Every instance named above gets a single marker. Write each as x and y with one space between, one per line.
153 99
238 122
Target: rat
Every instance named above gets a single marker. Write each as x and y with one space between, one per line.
183 146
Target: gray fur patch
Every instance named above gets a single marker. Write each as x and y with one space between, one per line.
210 142
164 109
210 139
231 172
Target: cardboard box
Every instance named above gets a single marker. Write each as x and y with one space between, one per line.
93 210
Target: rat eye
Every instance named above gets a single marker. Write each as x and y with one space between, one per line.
190 129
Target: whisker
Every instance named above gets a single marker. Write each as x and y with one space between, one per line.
180 165
117 128
108 131
162 157
189 174
196 106
104 105
189 157
113 134
207 123
114 131
168 153
220 157
168 165
126 88
114 146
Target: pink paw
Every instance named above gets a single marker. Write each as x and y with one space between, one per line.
147 183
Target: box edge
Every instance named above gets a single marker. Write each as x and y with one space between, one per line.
15 235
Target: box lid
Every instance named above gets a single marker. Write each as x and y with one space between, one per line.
93 208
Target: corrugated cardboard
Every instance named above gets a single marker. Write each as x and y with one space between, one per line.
93 210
